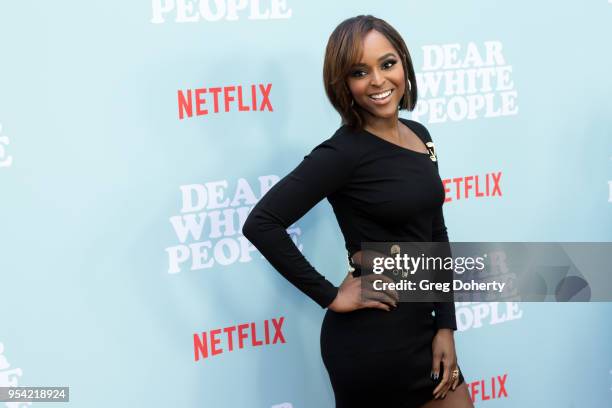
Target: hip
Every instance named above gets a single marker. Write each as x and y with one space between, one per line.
411 326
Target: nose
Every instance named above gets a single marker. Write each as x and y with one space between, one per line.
377 78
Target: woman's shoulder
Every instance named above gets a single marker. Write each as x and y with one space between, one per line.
346 134
343 147
344 139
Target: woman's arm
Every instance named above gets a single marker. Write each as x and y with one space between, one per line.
445 311
324 170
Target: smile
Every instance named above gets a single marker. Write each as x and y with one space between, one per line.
381 97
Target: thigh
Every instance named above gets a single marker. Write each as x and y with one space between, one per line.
460 398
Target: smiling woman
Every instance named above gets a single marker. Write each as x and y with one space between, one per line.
374 78
380 174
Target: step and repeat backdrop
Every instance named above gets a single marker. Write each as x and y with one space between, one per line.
135 137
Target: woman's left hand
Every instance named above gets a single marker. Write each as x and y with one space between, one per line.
443 348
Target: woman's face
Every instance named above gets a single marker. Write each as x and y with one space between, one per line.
379 71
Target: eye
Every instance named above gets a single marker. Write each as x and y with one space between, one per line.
386 65
389 63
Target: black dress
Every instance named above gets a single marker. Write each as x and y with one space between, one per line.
379 192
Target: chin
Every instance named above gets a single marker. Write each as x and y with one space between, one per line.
386 112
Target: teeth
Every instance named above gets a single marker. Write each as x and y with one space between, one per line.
381 95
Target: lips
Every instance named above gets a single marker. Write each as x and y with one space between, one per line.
386 96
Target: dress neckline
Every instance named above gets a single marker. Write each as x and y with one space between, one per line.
405 122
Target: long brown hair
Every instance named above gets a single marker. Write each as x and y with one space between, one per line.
344 49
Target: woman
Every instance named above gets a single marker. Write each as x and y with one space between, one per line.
383 184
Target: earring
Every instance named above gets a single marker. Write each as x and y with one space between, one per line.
409 86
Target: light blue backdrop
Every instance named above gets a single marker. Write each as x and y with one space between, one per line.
93 157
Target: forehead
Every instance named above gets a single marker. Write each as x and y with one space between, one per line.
373 46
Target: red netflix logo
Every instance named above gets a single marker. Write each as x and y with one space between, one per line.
473 186
493 388
224 99
211 340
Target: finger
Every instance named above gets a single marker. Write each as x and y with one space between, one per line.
369 285
446 391
379 296
376 305
442 388
448 382
394 294
456 382
435 370
447 388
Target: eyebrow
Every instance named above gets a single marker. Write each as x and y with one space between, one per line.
389 54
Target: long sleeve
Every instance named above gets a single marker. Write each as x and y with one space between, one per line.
323 171
445 311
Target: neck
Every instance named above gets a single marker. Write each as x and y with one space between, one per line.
382 126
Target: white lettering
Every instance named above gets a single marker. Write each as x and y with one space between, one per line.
191 11
464 83
5 161
473 315
161 7
209 228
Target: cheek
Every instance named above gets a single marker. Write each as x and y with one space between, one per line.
357 88
398 78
